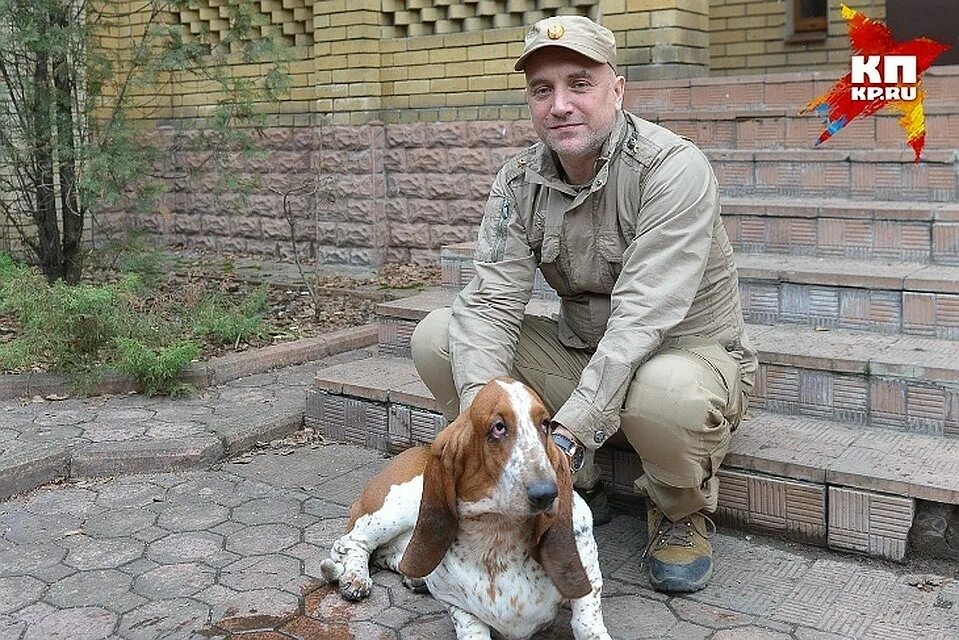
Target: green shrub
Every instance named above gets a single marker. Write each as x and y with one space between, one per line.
148 266
157 371
84 329
75 325
7 267
225 322
14 354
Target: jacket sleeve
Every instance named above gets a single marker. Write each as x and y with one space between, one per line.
487 313
662 269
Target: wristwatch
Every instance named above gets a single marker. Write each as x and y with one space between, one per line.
573 450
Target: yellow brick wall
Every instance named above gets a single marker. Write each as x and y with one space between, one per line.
355 61
361 60
749 36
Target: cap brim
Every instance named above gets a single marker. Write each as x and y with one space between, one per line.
582 50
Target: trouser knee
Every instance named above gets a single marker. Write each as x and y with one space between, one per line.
430 349
430 341
675 417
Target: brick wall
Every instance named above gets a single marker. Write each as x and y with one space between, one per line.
750 36
406 114
394 192
361 60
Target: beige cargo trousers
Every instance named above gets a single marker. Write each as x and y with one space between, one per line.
678 415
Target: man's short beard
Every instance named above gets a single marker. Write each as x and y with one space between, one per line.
593 149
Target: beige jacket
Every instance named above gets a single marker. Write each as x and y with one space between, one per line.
638 256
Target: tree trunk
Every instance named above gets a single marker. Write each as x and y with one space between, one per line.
45 215
72 257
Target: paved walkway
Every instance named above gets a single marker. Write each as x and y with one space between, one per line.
234 551
44 439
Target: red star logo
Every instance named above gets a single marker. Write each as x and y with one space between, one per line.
869 38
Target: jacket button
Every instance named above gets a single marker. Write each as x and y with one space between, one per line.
599 437
730 347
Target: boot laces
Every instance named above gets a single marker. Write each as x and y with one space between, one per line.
678 534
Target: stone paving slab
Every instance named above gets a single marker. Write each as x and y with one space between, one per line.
839 272
840 208
45 440
233 552
789 446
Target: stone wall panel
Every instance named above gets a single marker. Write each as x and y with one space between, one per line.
383 193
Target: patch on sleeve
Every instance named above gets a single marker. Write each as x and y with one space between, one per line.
494 231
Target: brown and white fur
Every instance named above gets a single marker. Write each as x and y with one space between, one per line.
488 516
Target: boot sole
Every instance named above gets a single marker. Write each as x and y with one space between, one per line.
676 585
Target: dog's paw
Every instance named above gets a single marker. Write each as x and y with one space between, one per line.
331 570
416 585
355 586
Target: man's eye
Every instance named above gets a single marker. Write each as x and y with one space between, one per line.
541 92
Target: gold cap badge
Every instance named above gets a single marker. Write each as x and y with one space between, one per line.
555 31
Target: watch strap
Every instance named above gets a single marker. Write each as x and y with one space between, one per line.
573 451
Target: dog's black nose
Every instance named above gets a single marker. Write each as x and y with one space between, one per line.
541 494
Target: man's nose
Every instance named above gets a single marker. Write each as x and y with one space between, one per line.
561 105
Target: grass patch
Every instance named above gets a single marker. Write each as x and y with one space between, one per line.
88 329
224 322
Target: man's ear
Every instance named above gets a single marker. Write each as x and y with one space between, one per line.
436 523
554 542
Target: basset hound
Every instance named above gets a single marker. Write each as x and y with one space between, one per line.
486 516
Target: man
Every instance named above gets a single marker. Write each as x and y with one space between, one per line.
622 218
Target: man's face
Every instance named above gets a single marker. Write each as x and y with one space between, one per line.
572 101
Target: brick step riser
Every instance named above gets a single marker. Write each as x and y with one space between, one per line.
859 399
830 178
925 242
828 236
889 312
802 132
931 315
855 520
863 399
772 91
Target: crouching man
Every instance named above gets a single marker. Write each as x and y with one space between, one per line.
623 219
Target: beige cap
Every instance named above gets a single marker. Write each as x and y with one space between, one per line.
577 33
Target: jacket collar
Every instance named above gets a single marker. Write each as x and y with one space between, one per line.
544 167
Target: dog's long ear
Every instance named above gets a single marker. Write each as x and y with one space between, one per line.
436 522
554 542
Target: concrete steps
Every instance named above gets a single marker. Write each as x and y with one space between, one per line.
784 91
818 292
888 381
816 480
784 128
869 295
922 232
824 172
760 146
849 268
847 429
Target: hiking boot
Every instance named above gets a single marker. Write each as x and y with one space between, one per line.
679 554
598 501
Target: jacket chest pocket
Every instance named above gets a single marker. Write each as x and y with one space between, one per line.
610 251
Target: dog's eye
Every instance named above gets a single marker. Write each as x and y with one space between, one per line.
544 426
498 430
